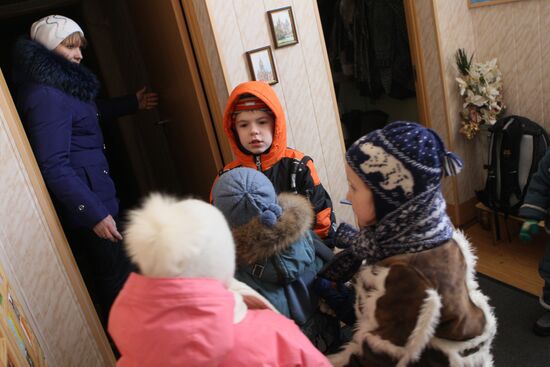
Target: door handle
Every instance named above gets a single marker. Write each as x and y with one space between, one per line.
162 122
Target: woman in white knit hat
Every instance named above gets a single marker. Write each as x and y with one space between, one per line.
56 99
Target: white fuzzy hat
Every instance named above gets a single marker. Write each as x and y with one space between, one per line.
187 239
50 31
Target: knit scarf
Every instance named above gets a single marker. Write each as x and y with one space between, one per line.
418 225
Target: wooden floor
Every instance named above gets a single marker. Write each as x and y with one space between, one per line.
514 263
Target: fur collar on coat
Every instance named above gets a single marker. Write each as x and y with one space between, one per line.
255 241
35 63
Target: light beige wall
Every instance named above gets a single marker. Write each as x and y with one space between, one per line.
32 261
517 34
454 30
514 33
305 83
432 72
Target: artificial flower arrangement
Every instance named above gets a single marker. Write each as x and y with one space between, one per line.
480 86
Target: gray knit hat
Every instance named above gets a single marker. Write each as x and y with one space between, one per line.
243 194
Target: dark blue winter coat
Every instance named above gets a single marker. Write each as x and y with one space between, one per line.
56 102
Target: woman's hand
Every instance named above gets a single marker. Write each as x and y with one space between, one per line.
146 100
106 229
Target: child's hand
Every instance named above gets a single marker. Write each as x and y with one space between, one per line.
340 244
344 236
342 267
339 297
528 227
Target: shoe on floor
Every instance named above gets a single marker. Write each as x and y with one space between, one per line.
542 326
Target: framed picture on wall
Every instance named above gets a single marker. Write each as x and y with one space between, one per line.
261 65
478 3
283 29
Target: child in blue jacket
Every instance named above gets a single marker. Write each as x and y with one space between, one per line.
277 253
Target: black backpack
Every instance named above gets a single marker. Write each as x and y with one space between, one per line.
516 145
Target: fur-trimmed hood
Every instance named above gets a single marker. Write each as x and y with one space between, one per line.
255 240
36 64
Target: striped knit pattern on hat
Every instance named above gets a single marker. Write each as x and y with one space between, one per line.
249 102
400 162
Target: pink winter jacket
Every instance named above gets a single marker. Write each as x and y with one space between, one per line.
189 322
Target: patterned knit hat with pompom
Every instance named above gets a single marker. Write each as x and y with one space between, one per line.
403 165
401 162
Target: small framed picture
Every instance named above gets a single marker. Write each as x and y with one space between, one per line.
262 67
283 29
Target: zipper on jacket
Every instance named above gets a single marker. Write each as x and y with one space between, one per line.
293 170
258 162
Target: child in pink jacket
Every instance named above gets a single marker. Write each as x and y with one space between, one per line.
185 308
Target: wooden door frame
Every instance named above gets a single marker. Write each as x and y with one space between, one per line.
454 209
417 62
192 13
199 80
173 70
42 195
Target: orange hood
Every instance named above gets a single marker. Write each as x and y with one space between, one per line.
263 91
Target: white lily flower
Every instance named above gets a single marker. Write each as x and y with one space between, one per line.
481 90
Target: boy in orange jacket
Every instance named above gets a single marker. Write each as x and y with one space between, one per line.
254 122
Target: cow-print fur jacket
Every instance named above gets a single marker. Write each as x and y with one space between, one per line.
421 309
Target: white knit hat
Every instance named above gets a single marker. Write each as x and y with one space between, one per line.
187 239
50 31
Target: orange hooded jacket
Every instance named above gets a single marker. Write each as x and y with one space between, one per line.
280 163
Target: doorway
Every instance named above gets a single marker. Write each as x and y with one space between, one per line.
17 25
371 46
170 149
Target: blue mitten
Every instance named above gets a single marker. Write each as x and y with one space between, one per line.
339 297
342 267
345 263
344 236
